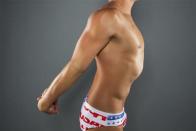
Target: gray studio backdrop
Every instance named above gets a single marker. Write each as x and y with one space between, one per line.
39 36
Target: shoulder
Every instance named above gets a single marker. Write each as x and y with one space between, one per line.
104 15
107 19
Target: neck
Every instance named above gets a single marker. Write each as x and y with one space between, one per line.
124 6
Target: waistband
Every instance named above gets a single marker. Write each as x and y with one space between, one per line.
110 116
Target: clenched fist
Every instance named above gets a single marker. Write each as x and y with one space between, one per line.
44 106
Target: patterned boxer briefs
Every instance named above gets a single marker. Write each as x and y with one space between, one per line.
91 117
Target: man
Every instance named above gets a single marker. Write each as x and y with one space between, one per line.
113 39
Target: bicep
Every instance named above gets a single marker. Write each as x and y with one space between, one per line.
87 47
94 38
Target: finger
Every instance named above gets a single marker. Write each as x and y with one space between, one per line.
51 112
54 109
51 109
48 112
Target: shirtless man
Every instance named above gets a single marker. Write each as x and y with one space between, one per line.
113 39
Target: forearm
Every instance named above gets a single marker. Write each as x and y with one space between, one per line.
63 81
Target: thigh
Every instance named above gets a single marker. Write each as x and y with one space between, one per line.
108 128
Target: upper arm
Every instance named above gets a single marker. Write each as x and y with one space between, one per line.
95 36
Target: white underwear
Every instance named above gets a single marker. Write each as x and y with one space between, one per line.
91 117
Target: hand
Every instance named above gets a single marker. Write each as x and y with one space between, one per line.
44 92
51 109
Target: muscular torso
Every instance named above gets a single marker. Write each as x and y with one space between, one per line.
118 65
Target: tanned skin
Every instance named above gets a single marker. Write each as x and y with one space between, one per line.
111 38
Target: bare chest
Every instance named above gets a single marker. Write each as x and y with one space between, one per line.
125 52
130 35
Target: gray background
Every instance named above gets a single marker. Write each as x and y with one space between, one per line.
39 36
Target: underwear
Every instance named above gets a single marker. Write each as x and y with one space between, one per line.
90 117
